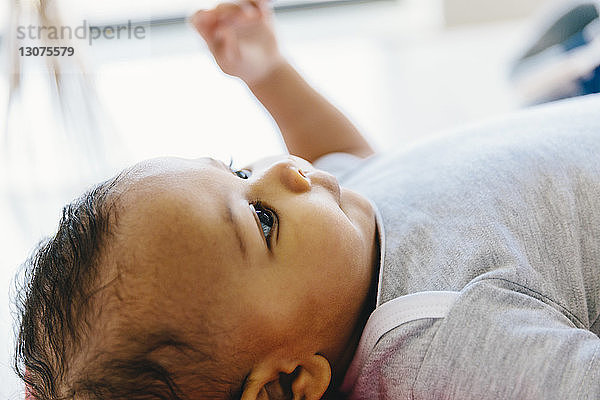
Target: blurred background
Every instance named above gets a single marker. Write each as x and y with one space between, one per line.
401 69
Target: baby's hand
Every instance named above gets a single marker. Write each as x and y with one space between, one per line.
241 38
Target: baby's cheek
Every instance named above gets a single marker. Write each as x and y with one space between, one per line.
281 322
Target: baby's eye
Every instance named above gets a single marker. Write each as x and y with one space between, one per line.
267 219
242 173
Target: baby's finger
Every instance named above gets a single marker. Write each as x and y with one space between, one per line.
251 12
237 14
225 11
265 7
205 23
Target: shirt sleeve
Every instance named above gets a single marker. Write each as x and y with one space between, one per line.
504 341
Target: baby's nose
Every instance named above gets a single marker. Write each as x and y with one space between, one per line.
292 177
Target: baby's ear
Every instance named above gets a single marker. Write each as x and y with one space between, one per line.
308 380
312 378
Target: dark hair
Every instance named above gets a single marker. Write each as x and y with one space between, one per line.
53 302
56 311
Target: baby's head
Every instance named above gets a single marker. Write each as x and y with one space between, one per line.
186 279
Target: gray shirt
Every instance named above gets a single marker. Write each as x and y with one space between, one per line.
507 214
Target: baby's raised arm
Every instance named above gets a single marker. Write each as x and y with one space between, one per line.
241 38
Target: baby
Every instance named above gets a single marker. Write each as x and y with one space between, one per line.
433 273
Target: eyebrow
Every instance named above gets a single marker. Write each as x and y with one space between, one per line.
232 220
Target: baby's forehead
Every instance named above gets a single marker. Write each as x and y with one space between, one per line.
167 182
157 196
164 168
173 201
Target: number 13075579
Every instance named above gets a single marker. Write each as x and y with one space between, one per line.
46 51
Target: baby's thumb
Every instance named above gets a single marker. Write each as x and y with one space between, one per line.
205 22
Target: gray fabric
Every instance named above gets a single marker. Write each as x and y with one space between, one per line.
507 213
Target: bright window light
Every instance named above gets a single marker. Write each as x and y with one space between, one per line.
107 11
